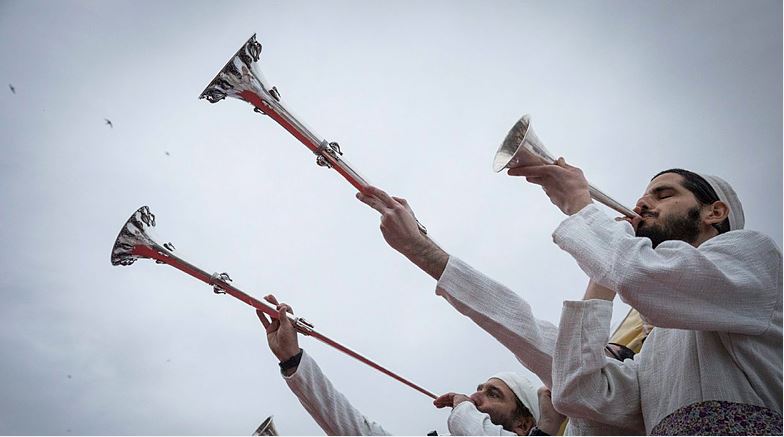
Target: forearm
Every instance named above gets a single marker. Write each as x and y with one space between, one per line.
586 384
328 407
502 313
597 291
729 283
429 257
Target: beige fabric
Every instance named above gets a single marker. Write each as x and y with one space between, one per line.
508 317
717 312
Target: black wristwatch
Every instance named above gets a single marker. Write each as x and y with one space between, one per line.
536 431
291 362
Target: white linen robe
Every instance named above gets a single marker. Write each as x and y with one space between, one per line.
336 416
509 318
717 310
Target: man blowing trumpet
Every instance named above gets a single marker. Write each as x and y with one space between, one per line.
506 404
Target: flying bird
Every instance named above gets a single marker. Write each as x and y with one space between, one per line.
167 154
13 90
109 122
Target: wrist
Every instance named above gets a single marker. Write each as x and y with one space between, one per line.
580 203
548 427
429 257
290 364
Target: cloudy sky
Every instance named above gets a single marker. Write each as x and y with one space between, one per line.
419 95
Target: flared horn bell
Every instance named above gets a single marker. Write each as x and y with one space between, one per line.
134 234
521 147
266 428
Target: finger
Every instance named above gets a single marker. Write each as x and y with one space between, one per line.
282 317
271 299
530 170
389 202
263 318
372 202
535 180
286 307
401 200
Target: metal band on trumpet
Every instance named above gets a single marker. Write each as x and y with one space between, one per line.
135 242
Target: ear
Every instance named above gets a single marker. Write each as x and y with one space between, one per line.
716 213
523 425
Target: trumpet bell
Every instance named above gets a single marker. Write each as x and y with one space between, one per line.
266 428
521 147
241 78
134 233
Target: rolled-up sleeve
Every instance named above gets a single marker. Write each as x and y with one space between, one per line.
587 384
730 283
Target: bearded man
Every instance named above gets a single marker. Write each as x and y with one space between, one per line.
507 404
713 291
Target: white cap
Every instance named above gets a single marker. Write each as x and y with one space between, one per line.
727 195
523 389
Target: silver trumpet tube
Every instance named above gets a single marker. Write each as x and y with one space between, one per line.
135 241
522 147
242 78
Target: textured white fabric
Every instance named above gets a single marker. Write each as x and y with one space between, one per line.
727 195
717 312
328 407
465 419
336 416
509 319
523 389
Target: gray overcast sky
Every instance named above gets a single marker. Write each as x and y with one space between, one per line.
419 95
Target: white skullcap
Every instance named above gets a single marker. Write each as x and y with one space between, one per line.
727 195
523 389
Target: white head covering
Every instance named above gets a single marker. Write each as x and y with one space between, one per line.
523 389
727 195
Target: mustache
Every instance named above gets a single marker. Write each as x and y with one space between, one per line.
646 213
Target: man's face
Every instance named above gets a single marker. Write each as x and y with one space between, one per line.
669 211
497 400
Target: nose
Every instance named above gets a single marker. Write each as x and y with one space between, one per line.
642 204
476 398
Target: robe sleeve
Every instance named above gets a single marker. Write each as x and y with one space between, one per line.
328 407
465 419
501 313
729 283
587 384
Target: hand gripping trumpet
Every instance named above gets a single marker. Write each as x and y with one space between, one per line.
135 241
522 147
241 78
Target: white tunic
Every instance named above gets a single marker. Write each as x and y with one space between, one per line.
508 317
336 416
717 311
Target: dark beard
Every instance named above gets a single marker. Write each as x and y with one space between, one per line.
685 228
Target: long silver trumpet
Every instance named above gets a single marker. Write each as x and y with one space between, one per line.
135 241
522 147
241 78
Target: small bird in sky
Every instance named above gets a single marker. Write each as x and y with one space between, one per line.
167 153
109 122
13 90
